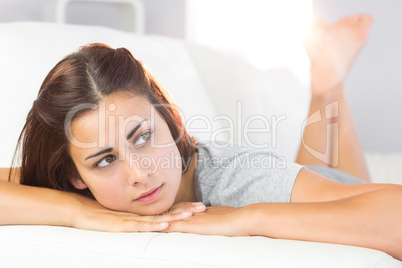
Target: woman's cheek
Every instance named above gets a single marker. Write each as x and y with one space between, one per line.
108 193
109 198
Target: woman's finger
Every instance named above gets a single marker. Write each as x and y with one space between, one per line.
153 223
187 206
143 226
166 217
182 227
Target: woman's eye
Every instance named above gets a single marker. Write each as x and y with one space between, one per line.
143 138
104 162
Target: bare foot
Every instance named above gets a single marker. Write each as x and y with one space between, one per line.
332 50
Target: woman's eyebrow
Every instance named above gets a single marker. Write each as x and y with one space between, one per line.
108 150
132 132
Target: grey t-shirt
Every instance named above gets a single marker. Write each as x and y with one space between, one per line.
238 176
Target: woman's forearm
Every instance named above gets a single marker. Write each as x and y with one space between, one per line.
371 220
15 174
28 205
20 204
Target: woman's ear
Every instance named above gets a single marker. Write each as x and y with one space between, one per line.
78 183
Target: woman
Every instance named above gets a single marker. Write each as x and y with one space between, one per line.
103 148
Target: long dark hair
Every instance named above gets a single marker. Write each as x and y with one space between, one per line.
86 76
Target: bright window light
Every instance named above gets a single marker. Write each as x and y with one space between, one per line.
257 28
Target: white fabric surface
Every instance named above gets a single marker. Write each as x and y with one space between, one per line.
385 168
44 246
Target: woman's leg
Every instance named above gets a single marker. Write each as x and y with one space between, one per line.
330 136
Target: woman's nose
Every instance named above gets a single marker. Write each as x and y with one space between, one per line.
139 175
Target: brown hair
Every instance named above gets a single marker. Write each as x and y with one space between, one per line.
86 76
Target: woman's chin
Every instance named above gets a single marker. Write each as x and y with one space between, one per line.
152 210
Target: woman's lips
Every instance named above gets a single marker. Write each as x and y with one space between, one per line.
150 196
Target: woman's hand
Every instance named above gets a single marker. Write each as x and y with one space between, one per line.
186 206
219 220
91 215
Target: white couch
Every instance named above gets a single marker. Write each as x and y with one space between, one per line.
205 83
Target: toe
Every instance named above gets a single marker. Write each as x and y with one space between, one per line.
365 19
320 24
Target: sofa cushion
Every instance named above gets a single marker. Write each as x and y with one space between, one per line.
49 246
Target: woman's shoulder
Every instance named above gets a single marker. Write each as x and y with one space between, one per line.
217 157
225 169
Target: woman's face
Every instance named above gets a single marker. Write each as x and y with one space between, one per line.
126 155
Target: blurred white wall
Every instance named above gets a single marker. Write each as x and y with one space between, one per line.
374 87
164 17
